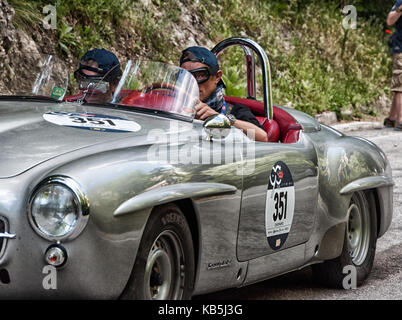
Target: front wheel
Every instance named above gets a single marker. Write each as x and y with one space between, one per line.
164 267
359 244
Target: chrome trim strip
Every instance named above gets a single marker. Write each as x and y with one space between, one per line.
82 201
367 183
171 193
4 236
7 235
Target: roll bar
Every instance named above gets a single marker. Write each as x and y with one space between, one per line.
250 46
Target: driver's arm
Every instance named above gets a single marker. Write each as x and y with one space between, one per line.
251 130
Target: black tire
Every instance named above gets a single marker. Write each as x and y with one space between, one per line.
332 273
167 247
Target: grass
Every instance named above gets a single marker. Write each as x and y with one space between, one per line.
26 14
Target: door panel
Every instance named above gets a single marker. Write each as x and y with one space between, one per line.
295 167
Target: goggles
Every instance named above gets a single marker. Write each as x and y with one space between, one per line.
201 75
87 82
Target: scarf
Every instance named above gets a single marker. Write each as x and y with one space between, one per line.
216 100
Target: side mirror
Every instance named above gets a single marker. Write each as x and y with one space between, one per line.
217 126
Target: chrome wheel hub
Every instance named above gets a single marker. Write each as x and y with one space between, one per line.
358 232
163 276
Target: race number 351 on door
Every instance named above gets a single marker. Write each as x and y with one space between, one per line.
280 205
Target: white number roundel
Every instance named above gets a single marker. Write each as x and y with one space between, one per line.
280 205
95 122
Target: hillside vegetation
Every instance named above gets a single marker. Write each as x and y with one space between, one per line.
317 64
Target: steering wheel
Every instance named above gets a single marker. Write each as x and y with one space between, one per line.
161 86
171 89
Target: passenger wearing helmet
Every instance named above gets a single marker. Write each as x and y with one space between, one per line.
98 74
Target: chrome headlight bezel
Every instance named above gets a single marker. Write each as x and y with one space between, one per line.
80 200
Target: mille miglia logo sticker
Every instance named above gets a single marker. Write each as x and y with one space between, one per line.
280 203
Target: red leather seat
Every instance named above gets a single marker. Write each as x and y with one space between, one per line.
271 128
289 129
73 98
292 135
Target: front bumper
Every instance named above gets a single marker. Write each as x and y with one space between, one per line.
89 273
99 261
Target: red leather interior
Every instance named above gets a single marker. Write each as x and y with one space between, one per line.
151 100
283 127
291 136
73 98
288 129
271 128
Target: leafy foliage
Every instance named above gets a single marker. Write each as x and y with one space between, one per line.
81 25
67 39
317 65
27 13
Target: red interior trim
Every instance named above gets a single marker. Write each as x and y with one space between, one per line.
285 121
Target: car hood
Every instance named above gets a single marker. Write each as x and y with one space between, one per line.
34 132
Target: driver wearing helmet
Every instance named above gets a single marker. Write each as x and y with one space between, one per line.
98 76
203 65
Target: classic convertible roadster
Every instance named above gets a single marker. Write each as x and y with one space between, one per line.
137 199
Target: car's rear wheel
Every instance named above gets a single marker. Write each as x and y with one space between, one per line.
359 245
164 267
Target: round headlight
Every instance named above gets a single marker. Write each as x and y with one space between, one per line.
56 210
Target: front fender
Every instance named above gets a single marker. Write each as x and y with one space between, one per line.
172 193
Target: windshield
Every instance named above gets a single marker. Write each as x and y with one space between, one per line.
49 77
145 85
157 86
45 77
52 80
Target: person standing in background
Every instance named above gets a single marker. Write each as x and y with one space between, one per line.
394 118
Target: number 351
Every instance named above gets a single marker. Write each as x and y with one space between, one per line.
281 203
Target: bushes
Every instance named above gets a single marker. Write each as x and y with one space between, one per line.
81 25
94 22
317 65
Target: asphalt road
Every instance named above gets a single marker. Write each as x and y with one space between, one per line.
385 281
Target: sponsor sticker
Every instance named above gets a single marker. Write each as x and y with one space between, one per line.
280 203
58 93
95 122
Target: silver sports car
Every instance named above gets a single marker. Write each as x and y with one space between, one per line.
134 198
